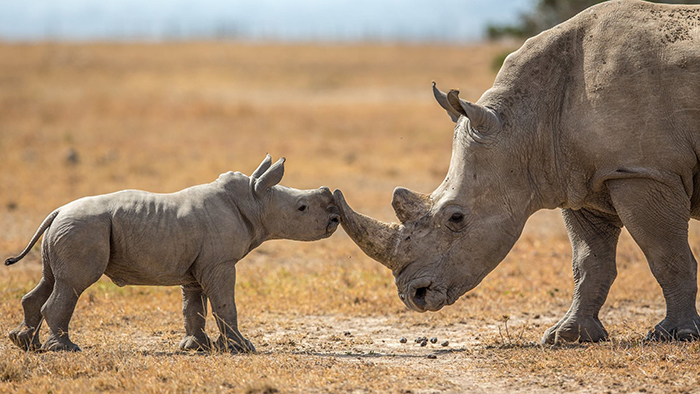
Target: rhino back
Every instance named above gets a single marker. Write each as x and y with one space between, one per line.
156 238
639 63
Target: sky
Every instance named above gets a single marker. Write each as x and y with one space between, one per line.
257 20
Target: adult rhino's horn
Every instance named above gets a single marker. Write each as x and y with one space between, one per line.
377 239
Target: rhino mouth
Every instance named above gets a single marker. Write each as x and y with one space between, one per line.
333 222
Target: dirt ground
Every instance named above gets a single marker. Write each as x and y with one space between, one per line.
86 119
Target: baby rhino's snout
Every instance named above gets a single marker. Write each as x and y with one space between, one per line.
332 209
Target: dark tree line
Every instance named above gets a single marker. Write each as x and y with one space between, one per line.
548 13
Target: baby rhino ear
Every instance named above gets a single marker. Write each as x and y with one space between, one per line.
269 178
267 161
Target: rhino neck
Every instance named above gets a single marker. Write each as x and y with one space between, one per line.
531 94
238 194
533 147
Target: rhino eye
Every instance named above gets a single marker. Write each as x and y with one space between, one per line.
456 221
302 208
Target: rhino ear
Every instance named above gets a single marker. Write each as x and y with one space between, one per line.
480 117
441 98
270 178
408 204
267 161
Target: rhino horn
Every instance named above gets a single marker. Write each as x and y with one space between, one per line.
480 117
377 239
408 204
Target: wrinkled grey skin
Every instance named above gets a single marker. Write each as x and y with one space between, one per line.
192 238
599 116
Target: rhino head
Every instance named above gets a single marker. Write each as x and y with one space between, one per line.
449 240
288 213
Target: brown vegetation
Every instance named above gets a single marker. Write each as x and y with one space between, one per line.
77 120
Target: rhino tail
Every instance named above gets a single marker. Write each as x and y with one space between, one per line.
44 225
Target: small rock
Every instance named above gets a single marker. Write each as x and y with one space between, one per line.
432 356
403 340
419 340
72 157
347 333
446 343
433 340
425 342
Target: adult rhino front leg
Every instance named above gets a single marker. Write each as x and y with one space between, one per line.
593 241
219 283
656 215
194 311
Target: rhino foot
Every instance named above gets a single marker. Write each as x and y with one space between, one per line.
57 343
235 346
26 338
191 342
689 331
575 329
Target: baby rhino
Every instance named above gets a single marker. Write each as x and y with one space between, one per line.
192 238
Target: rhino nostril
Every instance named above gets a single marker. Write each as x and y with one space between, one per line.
335 218
419 297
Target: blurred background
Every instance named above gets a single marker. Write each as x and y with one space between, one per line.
453 21
448 21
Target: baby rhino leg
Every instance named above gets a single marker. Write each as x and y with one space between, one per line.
58 311
194 311
77 259
26 335
219 284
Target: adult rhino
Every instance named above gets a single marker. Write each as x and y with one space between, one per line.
598 116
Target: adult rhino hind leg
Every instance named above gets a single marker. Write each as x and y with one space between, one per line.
593 240
656 216
194 311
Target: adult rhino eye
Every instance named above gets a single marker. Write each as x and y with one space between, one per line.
457 220
302 208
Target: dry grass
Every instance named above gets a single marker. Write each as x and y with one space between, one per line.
323 316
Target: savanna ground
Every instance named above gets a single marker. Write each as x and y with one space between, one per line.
78 120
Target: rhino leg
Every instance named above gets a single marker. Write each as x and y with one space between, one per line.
26 335
219 285
77 261
593 240
656 215
57 312
194 311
